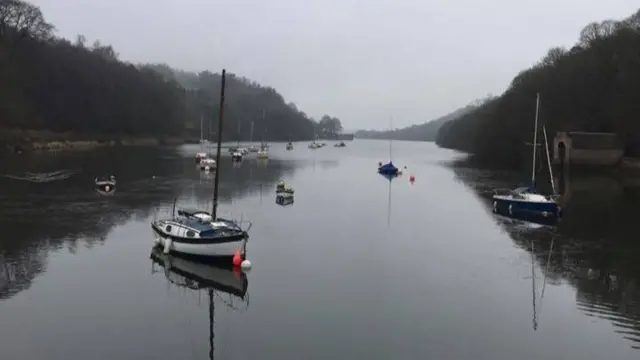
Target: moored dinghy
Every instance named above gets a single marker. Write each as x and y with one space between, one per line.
281 187
105 184
207 164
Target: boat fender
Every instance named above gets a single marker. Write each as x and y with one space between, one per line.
245 265
167 246
511 209
107 188
495 206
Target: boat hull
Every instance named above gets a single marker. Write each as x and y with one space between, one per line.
226 247
519 208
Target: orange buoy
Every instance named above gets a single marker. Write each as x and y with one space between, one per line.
237 259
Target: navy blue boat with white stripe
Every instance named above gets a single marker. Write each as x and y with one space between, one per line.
525 201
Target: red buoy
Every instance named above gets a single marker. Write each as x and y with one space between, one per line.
237 259
412 178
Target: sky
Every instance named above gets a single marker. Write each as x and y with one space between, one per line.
366 62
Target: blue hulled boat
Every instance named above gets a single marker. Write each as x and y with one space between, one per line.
525 201
388 169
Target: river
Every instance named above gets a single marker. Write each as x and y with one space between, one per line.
357 268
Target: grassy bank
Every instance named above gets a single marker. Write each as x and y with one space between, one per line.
20 141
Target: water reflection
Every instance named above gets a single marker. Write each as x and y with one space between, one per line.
593 248
222 284
39 218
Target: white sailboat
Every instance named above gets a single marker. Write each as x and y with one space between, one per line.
264 146
202 154
197 232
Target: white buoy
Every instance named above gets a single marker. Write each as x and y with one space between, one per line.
245 265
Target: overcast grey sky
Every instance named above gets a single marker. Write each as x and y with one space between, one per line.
360 60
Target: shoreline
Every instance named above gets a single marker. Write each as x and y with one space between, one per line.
16 142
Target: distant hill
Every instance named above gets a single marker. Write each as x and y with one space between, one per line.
423 132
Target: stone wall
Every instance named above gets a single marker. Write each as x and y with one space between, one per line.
588 149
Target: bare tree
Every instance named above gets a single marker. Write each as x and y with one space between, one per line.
553 56
25 19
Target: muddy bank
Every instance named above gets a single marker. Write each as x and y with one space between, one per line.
24 141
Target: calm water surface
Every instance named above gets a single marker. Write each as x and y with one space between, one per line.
358 268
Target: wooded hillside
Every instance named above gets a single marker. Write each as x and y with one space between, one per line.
51 83
594 86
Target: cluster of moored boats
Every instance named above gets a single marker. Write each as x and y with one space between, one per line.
318 144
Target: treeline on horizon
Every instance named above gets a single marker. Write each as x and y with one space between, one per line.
426 131
50 83
594 86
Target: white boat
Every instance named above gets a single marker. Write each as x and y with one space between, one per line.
284 199
194 232
236 156
264 146
201 155
197 232
207 163
262 154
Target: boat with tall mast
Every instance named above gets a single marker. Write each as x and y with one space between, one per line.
525 201
389 169
237 153
202 154
252 148
264 146
197 232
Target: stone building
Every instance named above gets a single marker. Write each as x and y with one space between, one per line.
587 149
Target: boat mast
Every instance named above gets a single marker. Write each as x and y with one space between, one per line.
391 137
201 132
546 146
264 128
216 182
535 144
